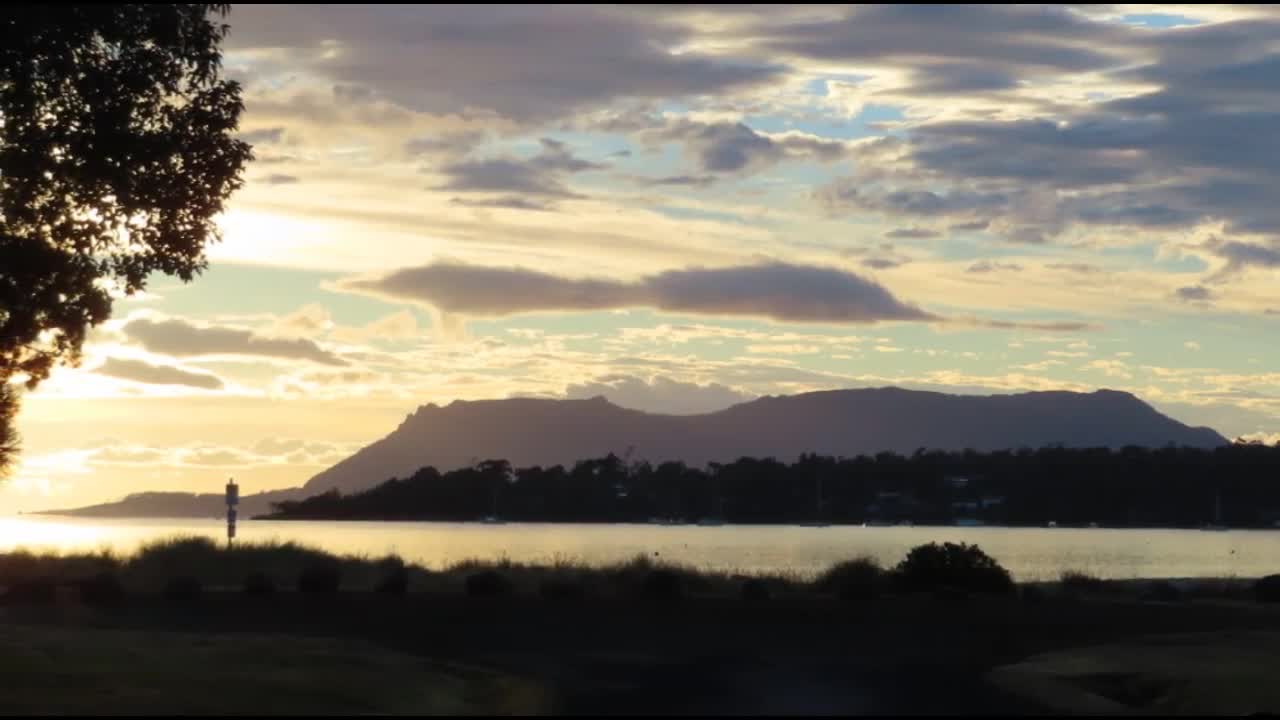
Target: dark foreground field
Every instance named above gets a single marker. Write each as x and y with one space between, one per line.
365 652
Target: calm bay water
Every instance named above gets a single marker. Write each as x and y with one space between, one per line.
1029 553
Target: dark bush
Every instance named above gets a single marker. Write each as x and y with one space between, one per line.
102 590
663 585
1075 582
395 582
320 579
555 589
855 580
756 590
1162 591
183 590
259 585
40 591
1032 594
952 566
1267 589
489 583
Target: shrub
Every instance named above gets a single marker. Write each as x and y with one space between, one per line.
320 579
395 582
39 591
102 590
1032 594
1081 583
259 585
489 583
953 566
183 590
756 590
662 584
1267 589
1162 591
852 580
555 589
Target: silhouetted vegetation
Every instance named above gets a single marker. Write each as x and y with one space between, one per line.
102 590
184 590
854 580
396 581
258 584
1131 487
489 583
114 116
951 566
320 579
1267 589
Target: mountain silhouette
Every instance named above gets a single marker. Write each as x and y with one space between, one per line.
529 431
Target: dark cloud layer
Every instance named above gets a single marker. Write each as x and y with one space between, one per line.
182 339
143 372
778 291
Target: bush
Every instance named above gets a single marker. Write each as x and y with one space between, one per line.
489 583
40 591
663 585
320 579
259 585
183 590
1081 583
1162 591
756 590
102 590
554 589
395 582
852 580
1267 589
1032 594
952 566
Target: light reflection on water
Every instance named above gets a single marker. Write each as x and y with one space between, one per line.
1029 553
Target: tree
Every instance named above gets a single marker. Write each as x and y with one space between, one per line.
117 151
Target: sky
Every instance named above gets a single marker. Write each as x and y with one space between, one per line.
684 208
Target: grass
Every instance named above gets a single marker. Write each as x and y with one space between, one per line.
84 671
217 567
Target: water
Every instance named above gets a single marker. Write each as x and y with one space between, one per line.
1028 553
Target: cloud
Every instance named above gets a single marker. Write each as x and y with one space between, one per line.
1240 256
974 226
529 63
1191 345
778 291
505 202
679 181
912 233
880 263
659 394
542 176
180 338
726 147
263 136
143 372
1082 268
990 266
1194 293
280 179
448 144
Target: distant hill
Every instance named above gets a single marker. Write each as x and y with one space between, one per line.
180 505
530 431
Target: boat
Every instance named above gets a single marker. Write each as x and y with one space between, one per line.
1216 525
968 522
492 520
710 522
1053 524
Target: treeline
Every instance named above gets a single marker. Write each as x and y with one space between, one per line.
1236 485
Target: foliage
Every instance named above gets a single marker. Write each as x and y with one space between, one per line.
1267 589
1171 487
320 578
489 583
183 590
852 580
116 153
951 566
257 584
9 441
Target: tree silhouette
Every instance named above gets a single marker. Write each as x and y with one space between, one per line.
116 153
